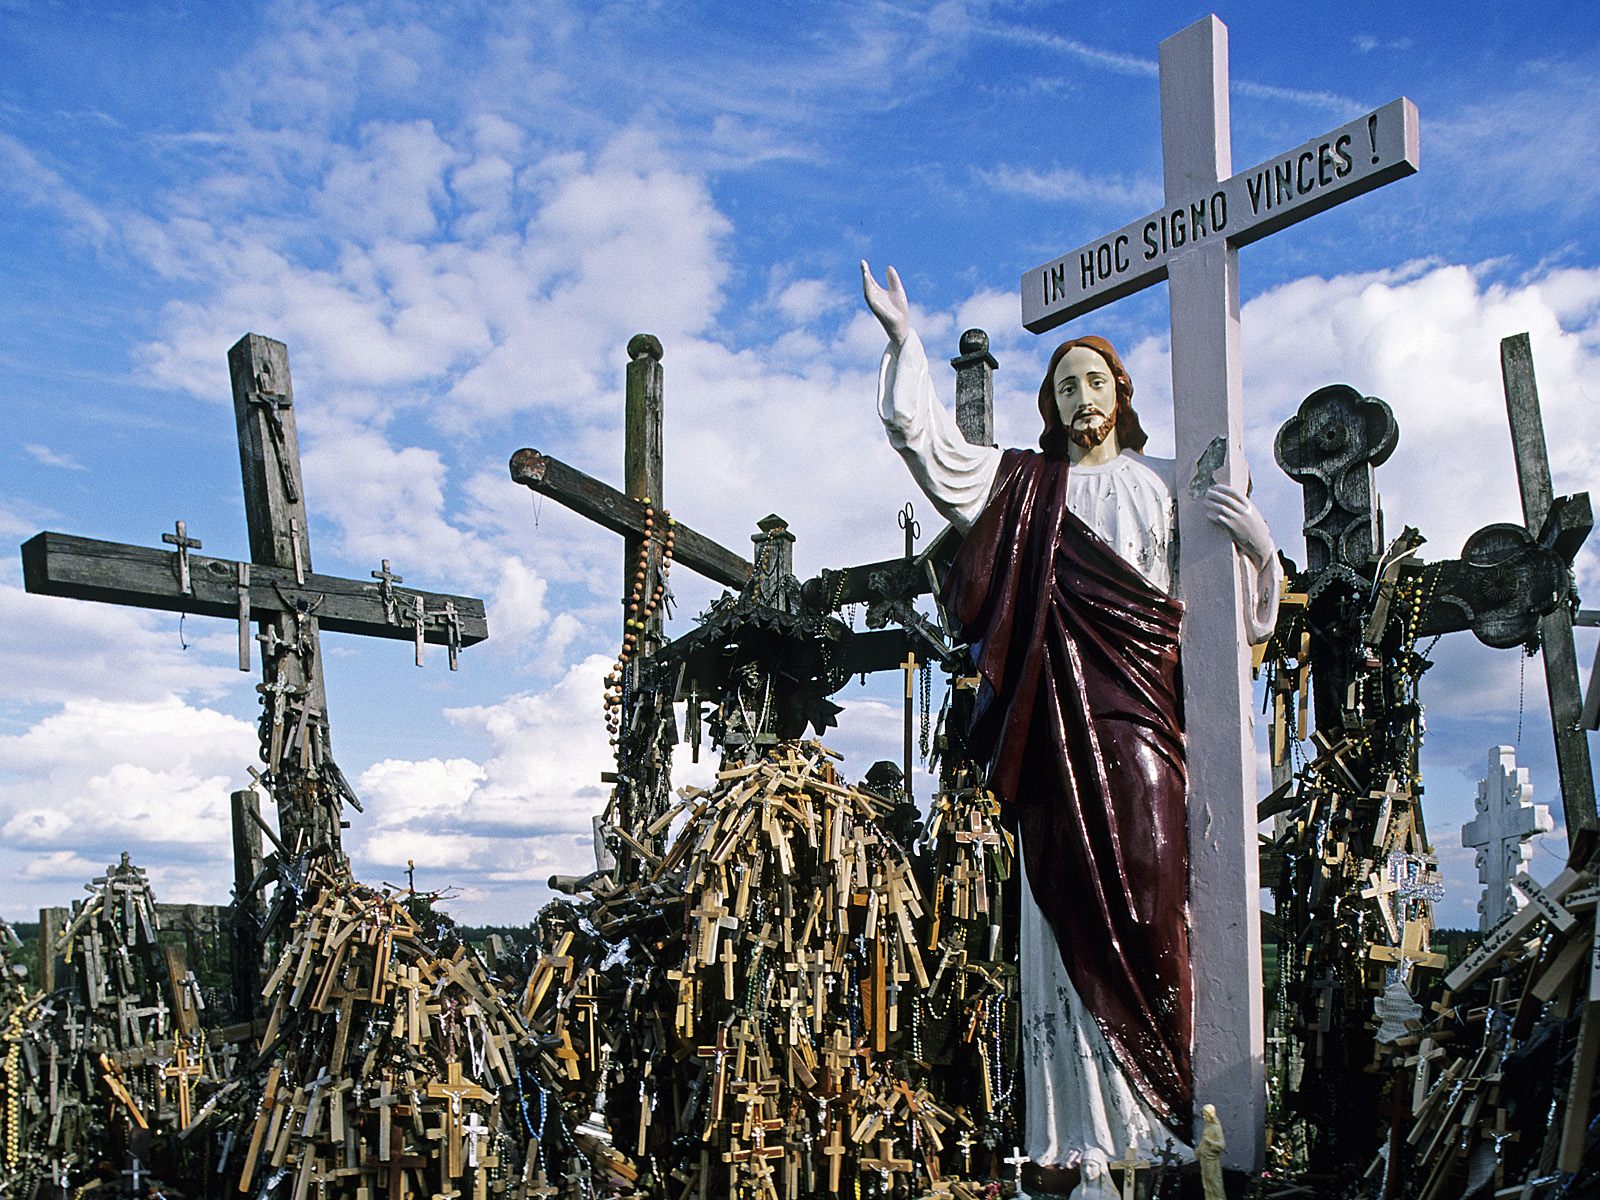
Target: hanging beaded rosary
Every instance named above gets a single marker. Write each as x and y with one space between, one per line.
640 612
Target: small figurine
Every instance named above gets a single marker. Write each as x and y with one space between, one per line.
1094 1178
1209 1152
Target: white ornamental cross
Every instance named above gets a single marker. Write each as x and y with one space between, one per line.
1192 242
1507 818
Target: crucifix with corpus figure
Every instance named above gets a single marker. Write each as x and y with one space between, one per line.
277 590
1192 243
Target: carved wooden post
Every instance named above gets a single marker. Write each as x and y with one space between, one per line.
247 914
275 510
642 469
51 923
975 368
1555 627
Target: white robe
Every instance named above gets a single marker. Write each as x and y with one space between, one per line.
1076 1096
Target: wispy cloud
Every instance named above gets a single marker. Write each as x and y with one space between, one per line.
1131 64
1111 60
35 183
47 457
1068 184
1366 43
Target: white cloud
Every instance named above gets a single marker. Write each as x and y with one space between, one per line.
390 185
60 865
1426 339
801 301
116 774
390 502
520 816
517 608
52 649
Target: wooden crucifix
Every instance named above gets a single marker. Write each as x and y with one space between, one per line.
276 588
1555 627
1192 242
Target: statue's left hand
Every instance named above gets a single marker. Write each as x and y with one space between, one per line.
1239 516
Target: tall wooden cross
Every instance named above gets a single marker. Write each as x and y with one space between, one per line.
1555 627
1192 242
275 588
638 514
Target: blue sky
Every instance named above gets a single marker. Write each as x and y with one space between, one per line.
456 216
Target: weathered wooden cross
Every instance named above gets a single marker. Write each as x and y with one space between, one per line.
1555 627
276 587
634 513
624 512
1192 242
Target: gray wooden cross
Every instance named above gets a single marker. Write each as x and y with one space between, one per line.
624 512
276 588
1507 818
1555 627
1192 242
184 543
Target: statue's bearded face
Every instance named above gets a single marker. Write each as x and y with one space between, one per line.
1086 396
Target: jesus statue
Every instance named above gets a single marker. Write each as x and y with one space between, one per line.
1065 589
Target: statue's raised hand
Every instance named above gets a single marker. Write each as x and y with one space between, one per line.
1237 513
888 304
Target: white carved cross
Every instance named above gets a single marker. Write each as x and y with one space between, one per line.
1192 242
1507 818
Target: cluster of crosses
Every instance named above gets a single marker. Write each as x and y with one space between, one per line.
1512 583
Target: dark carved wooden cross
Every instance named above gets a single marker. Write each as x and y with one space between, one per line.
276 588
889 588
1511 585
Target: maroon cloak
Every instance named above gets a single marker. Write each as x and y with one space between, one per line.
1081 727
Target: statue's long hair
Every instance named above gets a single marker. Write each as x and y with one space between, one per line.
1055 439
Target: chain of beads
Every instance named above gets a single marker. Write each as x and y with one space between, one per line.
640 611
13 1083
927 711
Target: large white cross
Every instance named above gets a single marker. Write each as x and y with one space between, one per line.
1192 242
1507 818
